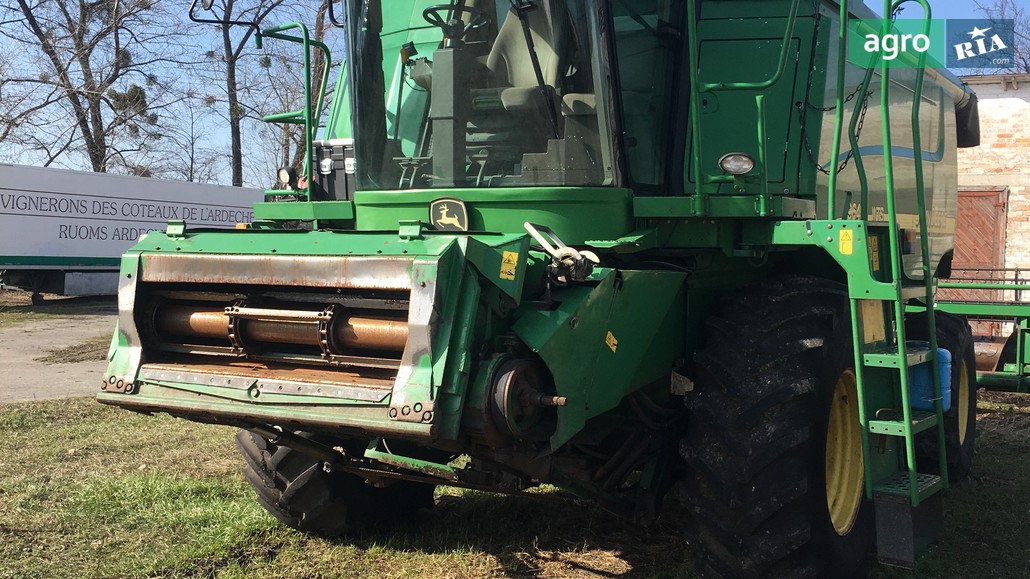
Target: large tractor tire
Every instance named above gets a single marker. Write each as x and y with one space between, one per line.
775 474
954 335
296 489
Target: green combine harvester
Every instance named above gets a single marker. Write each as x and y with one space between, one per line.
640 250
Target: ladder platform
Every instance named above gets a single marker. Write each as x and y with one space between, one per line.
887 357
920 422
897 485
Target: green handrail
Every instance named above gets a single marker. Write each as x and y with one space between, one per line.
895 254
780 66
895 250
856 153
696 88
838 117
917 148
304 116
695 106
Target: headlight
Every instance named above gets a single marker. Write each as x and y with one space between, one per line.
736 163
288 177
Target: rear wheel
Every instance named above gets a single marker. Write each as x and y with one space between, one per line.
296 489
775 474
954 335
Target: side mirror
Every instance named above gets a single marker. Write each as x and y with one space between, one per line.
207 4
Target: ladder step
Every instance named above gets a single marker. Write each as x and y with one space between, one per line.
898 485
920 422
888 357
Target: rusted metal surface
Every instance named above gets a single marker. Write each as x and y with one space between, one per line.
404 406
988 352
333 415
253 370
279 332
261 379
275 314
371 333
282 327
376 273
186 320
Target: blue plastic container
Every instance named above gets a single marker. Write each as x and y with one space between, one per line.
921 380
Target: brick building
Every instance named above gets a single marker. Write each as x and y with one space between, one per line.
994 178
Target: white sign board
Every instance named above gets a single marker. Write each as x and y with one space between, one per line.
75 216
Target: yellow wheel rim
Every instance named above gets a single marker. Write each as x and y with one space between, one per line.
845 471
963 402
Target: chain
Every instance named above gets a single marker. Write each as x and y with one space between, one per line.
803 109
847 99
858 128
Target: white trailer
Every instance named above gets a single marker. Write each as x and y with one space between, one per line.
64 231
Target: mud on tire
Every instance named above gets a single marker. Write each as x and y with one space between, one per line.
296 489
756 436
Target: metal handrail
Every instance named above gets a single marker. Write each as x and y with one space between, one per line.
303 116
696 88
1014 280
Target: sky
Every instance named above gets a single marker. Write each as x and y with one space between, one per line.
942 9
945 8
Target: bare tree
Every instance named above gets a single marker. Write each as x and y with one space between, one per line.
85 81
1011 10
285 82
233 45
188 153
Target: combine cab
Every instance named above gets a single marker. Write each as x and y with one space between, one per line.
613 246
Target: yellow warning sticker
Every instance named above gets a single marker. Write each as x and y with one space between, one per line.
611 341
846 242
509 263
874 250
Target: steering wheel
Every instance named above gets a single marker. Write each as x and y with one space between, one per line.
454 28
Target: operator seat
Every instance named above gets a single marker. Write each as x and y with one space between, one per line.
511 62
513 118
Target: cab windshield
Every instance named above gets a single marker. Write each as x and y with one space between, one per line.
477 93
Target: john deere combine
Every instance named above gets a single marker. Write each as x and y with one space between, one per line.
619 247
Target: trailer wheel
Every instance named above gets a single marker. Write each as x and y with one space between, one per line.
954 335
296 489
775 472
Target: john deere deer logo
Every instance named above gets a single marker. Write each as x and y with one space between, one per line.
448 215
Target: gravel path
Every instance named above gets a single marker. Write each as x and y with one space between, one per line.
22 378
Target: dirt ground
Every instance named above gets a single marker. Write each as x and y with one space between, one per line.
34 331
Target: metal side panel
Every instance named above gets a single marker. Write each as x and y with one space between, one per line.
124 360
378 273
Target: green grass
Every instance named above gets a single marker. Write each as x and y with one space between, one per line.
987 517
86 351
89 491
86 490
